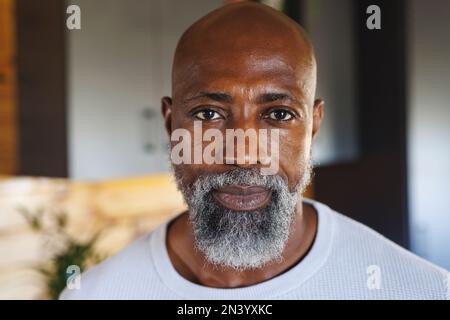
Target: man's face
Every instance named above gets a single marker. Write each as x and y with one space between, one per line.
234 210
261 91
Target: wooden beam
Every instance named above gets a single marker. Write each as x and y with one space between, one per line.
7 89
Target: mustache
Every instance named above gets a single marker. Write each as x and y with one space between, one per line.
208 182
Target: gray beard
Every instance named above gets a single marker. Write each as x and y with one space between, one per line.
247 239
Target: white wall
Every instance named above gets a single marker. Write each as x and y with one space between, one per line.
429 129
119 64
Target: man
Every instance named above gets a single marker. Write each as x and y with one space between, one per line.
248 235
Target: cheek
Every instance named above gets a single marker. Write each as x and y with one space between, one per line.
187 174
181 120
294 156
190 172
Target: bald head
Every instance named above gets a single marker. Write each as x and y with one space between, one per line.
245 37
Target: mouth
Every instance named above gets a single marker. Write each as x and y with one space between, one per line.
242 198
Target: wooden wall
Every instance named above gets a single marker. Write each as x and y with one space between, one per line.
121 209
7 89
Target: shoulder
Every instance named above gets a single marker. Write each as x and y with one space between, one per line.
403 274
119 276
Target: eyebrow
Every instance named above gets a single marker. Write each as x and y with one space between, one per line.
263 98
216 96
272 97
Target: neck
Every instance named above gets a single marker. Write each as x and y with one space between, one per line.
193 265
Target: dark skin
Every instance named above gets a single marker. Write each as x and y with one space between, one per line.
245 66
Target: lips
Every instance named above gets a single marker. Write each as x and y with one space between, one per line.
242 198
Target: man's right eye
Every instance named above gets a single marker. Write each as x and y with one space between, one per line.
207 114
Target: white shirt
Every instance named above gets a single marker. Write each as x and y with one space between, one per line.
346 261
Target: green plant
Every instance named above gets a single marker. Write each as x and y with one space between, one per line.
67 251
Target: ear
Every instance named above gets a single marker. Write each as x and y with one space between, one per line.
166 109
317 116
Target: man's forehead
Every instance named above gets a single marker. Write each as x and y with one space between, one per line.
229 56
255 59
242 74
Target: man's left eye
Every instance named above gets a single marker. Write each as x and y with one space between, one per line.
281 115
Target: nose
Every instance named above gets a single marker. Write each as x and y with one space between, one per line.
242 148
247 144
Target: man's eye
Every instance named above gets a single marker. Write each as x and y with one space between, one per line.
281 115
207 115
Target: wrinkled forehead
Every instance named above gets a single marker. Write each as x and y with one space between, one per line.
246 70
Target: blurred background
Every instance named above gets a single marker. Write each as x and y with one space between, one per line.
83 163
